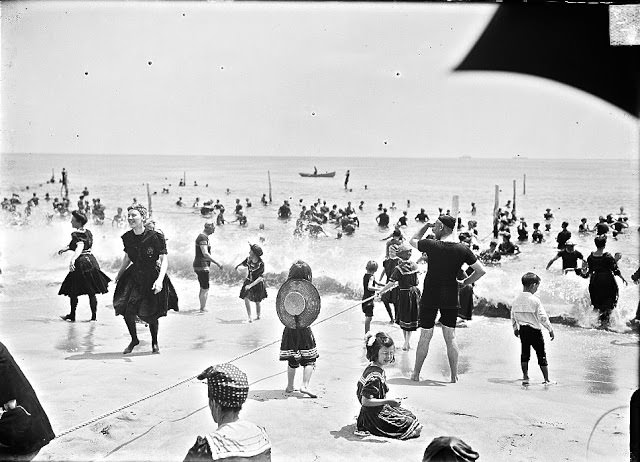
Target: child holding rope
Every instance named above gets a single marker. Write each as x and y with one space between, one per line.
370 287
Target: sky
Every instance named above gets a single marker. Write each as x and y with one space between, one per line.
291 79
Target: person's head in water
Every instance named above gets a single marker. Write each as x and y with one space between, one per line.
530 282
445 224
564 225
449 449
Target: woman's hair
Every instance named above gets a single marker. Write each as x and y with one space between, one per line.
80 217
375 342
600 241
372 266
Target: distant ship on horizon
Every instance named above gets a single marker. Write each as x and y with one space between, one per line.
464 157
518 156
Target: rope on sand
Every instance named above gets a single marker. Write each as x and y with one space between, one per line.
596 425
255 350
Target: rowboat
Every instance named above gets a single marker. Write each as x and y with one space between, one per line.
318 175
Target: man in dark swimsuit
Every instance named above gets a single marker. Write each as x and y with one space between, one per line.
284 211
202 262
445 257
422 217
383 219
569 256
563 236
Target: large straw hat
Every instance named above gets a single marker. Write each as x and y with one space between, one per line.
297 303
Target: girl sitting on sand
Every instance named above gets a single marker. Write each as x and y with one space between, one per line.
381 416
253 289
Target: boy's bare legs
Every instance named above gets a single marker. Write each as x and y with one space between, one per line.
421 352
257 310
449 334
367 324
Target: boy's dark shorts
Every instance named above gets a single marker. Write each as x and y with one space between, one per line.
530 337
367 309
203 279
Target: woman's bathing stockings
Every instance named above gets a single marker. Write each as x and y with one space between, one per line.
73 300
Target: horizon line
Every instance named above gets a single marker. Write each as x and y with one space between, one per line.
460 157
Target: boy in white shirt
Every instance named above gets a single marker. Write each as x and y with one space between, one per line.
528 317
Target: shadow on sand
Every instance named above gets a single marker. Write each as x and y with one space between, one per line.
231 321
346 432
266 395
114 355
412 383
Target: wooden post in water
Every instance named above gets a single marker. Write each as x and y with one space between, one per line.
184 179
455 209
513 210
496 206
269 176
149 200
524 184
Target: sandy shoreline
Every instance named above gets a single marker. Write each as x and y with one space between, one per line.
79 373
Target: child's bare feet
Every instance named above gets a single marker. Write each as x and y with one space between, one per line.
415 376
288 390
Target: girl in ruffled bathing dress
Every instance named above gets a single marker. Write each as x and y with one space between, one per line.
85 276
381 416
253 289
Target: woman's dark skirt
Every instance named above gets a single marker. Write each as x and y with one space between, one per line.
86 279
135 297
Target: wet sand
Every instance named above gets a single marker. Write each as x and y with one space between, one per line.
79 372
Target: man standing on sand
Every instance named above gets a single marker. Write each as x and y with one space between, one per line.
445 257
203 260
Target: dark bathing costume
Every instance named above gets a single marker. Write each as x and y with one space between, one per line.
134 294
200 264
440 284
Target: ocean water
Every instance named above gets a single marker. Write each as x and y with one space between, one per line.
572 189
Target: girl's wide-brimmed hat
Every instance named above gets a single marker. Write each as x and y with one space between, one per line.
297 303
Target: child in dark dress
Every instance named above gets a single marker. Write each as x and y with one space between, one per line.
378 415
369 286
253 289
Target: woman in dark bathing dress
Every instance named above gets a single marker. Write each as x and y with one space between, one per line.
143 288
85 277
601 267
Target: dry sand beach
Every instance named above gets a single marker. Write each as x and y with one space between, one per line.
79 373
